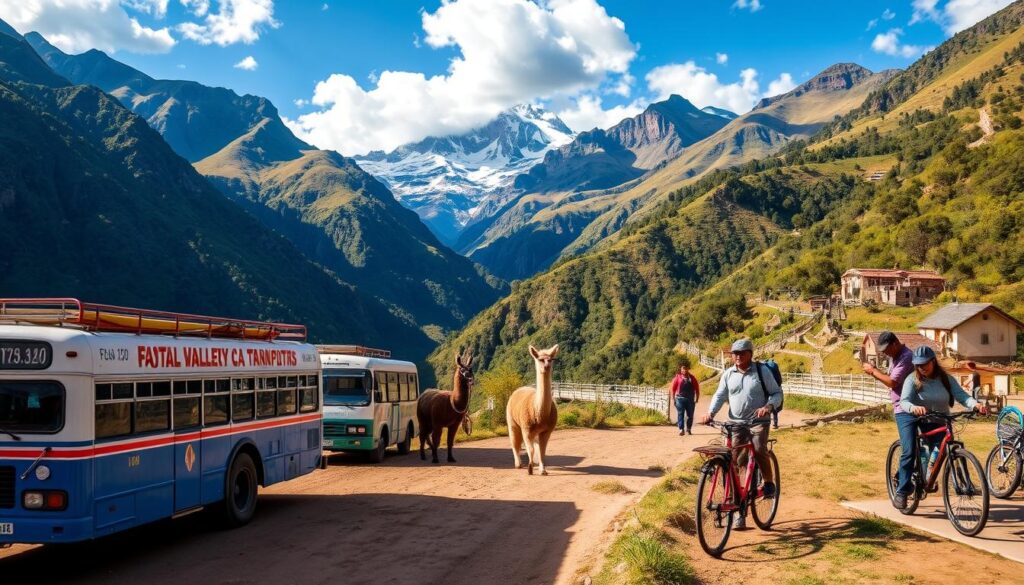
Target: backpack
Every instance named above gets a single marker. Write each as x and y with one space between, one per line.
773 367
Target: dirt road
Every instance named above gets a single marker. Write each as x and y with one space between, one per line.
403 521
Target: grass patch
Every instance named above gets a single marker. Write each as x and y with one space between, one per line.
897 319
842 360
604 415
659 468
817 404
871 526
801 347
648 560
610 487
793 363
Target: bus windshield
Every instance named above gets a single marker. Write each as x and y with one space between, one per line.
347 386
31 407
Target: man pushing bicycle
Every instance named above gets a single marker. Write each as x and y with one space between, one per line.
753 394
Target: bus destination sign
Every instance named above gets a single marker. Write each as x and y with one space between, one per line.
25 355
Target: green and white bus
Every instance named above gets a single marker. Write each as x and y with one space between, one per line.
369 400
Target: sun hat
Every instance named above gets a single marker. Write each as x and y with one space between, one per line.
742 345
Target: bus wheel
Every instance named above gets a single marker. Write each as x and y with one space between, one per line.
405 446
240 487
377 455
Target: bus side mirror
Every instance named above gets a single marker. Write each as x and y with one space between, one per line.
378 396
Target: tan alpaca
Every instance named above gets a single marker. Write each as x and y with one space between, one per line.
531 412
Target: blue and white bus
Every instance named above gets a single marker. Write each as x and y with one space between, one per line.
113 417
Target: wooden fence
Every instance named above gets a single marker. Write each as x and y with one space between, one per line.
642 396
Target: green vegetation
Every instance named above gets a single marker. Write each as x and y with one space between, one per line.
881 317
842 359
610 487
604 415
817 404
797 364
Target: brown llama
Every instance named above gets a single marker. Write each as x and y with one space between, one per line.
437 410
531 412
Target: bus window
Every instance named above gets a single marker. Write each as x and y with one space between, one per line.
308 393
152 415
394 389
266 403
186 412
286 390
347 386
34 407
403 380
243 403
414 383
113 418
215 402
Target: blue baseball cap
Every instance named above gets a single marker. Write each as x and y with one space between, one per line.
923 355
742 345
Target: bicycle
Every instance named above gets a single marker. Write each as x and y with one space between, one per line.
720 495
1003 465
965 492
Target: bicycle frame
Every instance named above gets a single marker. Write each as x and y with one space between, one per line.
734 492
931 473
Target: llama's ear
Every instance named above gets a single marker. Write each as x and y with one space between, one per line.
469 361
534 352
458 359
554 350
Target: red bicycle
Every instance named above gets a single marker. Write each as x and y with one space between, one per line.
964 488
722 497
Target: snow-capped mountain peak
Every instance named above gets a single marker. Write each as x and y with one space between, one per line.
447 179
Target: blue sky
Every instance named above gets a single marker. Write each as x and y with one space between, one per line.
592 61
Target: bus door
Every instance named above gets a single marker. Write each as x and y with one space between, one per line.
187 445
395 398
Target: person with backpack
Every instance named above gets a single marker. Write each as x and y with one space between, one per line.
901 359
753 393
928 389
686 393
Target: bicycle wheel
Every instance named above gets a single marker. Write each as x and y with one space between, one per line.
965 492
1003 476
764 509
713 524
892 480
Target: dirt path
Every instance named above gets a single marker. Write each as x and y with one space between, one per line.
403 521
985 123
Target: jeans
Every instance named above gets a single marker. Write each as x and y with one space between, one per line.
684 412
758 435
775 418
907 426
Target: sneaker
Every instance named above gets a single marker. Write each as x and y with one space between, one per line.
681 432
739 522
768 491
690 431
775 425
899 501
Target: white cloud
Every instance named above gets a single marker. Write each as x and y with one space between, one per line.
180 66
753 5
197 7
872 24
300 103
508 52
955 15
624 85
888 14
248 64
157 8
780 86
324 7
587 113
705 89
721 58
75 26
236 21
889 43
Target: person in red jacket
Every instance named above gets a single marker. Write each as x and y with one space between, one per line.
686 393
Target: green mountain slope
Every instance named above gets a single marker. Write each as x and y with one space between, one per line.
96 205
348 222
195 120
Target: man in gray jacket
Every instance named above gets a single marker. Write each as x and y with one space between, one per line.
741 386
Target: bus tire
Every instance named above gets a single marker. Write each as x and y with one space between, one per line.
377 455
405 446
240 489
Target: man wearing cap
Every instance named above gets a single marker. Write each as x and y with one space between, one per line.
740 385
901 359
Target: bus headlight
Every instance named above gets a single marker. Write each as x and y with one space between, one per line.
42 473
32 500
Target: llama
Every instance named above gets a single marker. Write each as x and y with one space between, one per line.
531 413
437 410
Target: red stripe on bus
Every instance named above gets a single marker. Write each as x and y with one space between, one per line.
88 452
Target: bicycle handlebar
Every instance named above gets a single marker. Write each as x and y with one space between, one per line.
968 414
737 424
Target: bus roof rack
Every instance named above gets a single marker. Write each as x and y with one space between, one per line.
71 312
354 350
